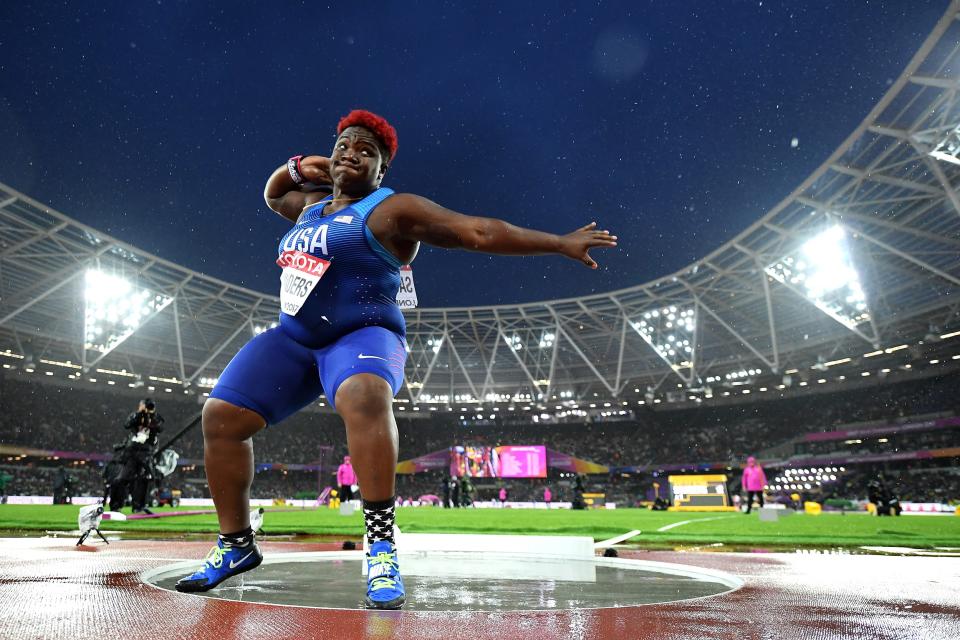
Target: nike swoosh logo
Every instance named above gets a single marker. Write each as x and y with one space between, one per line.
233 565
363 357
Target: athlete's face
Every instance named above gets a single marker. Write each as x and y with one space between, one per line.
357 160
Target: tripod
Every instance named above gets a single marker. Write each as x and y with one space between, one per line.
89 520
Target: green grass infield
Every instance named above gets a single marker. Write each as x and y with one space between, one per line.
829 529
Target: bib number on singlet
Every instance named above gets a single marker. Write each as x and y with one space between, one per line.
407 294
301 273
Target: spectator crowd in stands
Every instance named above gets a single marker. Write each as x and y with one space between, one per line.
89 419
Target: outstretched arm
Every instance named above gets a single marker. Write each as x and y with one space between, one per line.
418 219
287 198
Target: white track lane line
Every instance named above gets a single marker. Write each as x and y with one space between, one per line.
683 522
603 544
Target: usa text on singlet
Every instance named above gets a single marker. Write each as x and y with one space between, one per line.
337 277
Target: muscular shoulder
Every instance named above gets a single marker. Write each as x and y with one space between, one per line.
397 211
405 209
405 203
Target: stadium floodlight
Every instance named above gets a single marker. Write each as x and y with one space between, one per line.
822 270
258 329
670 331
948 150
434 344
741 374
114 309
547 339
513 342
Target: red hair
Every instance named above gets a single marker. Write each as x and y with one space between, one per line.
377 125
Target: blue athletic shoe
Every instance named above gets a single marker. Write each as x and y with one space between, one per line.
384 584
222 563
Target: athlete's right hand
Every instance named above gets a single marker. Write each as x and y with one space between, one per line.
316 169
577 244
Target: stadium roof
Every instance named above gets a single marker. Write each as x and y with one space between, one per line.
863 254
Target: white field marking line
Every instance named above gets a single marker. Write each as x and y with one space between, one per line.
683 522
616 539
908 551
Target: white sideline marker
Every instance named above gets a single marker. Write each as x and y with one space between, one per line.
421 545
603 544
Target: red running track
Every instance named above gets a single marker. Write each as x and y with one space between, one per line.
50 589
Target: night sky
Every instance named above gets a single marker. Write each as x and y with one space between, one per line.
670 123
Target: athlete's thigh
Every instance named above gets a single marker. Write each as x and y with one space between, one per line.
369 350
272 375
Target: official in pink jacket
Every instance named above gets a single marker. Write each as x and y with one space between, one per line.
346 478
753 482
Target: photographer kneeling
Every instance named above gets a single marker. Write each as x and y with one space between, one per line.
136 458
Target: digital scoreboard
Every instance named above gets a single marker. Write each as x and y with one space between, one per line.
499 462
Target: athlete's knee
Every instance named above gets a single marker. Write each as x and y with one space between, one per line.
225 421
364 395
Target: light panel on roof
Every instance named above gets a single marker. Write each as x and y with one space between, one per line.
949 148
513 342
670 332
114 308
823 271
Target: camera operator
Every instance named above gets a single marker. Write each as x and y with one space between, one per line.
136 457
4 479
62 487
880 494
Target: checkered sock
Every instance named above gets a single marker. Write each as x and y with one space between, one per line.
379 517
238 539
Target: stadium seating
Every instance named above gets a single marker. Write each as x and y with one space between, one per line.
89 419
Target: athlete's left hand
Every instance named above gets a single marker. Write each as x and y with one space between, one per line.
577 244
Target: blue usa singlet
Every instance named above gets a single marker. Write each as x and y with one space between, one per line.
337 278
